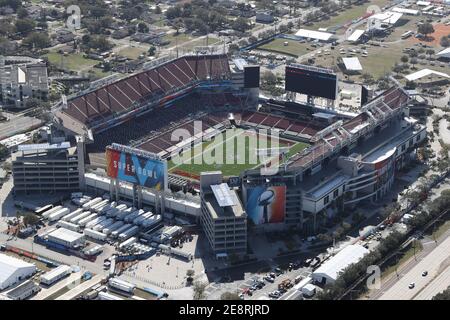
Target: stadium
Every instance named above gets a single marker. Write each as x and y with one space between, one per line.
326 161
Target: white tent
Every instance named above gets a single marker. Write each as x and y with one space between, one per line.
444 53
312 34
352 64
356 35
330 270
425 73
13 270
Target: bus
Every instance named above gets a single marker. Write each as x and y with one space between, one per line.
407 34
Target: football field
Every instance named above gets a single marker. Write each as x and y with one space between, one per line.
232 152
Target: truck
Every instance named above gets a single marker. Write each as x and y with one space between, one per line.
68 225
72 215
106 223
116 225
107 207
97 207
82 215
141 218
56 274
47 213
58 214
122 214
116 233
128 233
152 221
89 218
285 284
95 234
127 243
129 218
121 285
94 222
93 251
88 205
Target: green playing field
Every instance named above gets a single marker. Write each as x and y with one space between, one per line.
231 152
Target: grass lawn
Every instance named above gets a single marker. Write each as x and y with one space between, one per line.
293 48
181 38
73 62
441 230
348 15
132 52
406 256
230 163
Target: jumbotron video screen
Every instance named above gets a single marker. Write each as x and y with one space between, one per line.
313 83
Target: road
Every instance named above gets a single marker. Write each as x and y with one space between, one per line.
18 124
432 263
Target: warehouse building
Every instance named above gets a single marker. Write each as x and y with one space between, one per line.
65 237
223 217
329 271
13 270
23 291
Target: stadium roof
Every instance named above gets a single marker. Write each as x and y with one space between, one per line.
444 53
10 265
356 35
352 64
331 268
312 34
425 73
405 10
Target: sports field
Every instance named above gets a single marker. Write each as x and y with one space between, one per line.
231 152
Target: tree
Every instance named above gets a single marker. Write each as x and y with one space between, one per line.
22 13
445 42
229 296
240 24
157 10
425 29
3 151
430 52
269 78
151 51
444 295
24 26
404 59
30 219
142 27
37 40
199 290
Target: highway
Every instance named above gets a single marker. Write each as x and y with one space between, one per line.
437 285
432 263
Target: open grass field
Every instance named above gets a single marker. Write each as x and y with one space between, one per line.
348 15
231 152
180 38
294 48
73 62
132 52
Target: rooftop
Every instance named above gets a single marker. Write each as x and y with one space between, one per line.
312 34
347 256
66 235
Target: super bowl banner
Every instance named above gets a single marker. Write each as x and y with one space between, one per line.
266 204
135 169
